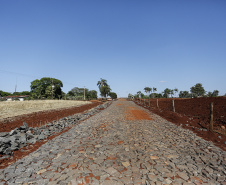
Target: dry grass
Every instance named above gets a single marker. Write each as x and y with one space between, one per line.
16 108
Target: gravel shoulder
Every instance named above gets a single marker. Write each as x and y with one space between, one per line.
116 146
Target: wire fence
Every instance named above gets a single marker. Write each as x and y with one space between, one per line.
210 113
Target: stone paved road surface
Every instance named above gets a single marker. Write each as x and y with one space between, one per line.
117 147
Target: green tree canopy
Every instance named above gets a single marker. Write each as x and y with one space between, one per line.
104 87
148 90
3 93
113 95
184 94
198 90
78 93
213 94
166 93
92 94
175 91
139 94
46 88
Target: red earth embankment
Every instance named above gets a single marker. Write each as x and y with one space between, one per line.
195 108
37 119
194 114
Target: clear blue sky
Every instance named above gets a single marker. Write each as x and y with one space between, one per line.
130 43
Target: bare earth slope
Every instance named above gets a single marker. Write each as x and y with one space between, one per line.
123 144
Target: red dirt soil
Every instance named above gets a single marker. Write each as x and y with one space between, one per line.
137 115
37 119
194 114
34 120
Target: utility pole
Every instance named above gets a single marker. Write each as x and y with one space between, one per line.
84 93
52 88
15 87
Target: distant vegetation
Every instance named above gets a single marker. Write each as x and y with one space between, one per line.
195 91
51 88
78 94
105 89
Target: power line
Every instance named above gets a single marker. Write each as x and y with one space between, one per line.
31 76
21 74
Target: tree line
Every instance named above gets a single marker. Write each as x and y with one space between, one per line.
51 88
195 91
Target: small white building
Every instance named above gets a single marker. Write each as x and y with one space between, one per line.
12 98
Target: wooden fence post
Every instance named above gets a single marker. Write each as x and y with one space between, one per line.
158 103
211 116
149 101
144 101
173 106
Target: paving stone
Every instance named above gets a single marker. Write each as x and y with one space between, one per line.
183 175
111 171
127 180
108 149
126 164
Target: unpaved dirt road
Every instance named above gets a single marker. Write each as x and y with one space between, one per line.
123 144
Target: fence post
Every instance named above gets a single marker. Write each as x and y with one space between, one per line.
149 101
157 103
173 106
144 101
211 116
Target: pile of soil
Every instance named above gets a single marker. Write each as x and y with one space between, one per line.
194 114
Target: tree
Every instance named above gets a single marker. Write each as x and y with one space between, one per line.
78 93
142 95
105 90
130 96
92 94
25 93
213 94
46 87
166 93
49 92
175 91
198 90
113 95
171 92
154 90
3 93
184 94
158 95
139 94
148 90
104 87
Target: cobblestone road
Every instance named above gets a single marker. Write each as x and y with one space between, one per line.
116 147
